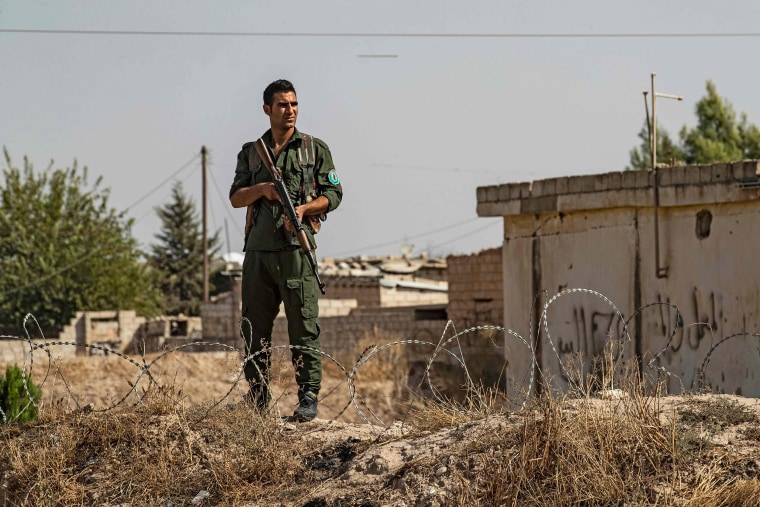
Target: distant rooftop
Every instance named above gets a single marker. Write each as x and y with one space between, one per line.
367 266
379 266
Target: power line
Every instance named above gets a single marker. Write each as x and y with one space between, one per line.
465 235
225 203
175 173
422 235
437 169
164 197
408 35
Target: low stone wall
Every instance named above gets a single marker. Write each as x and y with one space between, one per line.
340 335
14 351
365 291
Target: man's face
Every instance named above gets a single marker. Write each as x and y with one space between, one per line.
283 111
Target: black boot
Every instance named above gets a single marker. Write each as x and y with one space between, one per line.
307 407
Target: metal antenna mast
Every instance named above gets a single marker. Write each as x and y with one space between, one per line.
660 271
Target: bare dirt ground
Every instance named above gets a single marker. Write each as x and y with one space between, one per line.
375 450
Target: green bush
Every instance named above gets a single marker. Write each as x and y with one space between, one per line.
15 399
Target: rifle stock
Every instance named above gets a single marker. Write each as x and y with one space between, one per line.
290 211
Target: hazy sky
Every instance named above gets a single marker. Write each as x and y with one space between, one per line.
420 102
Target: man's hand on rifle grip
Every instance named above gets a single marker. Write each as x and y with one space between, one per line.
269 191
288 224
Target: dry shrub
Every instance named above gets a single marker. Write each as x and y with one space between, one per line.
715 413
752 433
712 489
571 451
434 413
147 454
702 418
426 416
610 449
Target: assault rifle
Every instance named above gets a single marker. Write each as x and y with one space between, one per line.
287 204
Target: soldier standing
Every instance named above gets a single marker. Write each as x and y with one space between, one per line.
275 269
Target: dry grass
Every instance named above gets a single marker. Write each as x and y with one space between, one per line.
145 455
575 451
581 447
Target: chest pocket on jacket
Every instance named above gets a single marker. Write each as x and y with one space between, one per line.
259 174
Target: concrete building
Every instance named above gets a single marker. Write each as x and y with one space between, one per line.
684 253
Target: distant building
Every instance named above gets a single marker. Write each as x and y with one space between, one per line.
393 295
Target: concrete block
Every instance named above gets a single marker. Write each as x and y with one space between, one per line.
544 187
643 179
601 182
492 194
482 193
693 175
705 174
551 186
575 185
588 183
627 179
678 174
537 189
539 204
505 192
737 170
562 185
614 181
498 209
515 190
721 173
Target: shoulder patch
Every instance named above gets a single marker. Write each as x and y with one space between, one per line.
333 177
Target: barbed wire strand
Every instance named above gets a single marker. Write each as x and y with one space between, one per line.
448 344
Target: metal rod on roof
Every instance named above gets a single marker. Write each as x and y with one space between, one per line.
649 123
660 271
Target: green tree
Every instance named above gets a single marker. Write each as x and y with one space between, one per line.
177 258
667 150
65 250
718 137
18 399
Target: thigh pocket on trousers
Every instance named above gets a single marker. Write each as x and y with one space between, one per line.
303 295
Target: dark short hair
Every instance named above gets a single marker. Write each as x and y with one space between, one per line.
281 85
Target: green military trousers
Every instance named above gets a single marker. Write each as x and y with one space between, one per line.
270 278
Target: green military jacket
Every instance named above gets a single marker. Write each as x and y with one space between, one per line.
268 232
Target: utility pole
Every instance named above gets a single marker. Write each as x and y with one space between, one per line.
205 227
659 271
